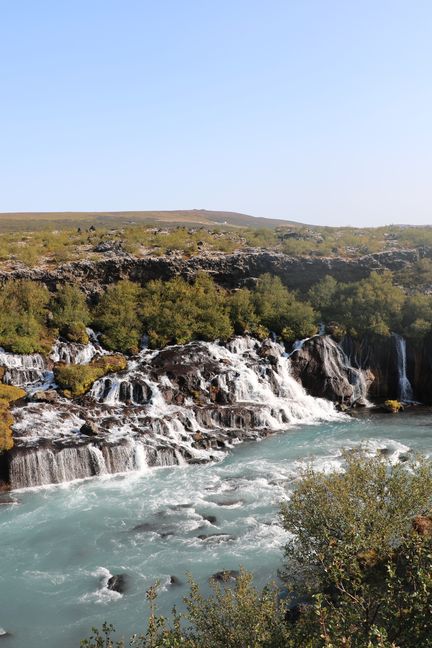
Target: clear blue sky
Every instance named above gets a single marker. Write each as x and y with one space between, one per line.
313 110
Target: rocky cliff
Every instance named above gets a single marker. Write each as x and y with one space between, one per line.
229 270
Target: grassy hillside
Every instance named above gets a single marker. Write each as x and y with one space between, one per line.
33 221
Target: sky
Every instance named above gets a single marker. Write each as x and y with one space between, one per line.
318 111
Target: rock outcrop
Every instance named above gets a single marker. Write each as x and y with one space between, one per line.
181 404
324 370
230 270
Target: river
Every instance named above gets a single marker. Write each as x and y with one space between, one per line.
60 543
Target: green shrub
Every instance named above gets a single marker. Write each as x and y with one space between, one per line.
357 553
117 317
177 312
23 317
76 380
70 313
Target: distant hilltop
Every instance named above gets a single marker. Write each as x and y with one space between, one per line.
38 220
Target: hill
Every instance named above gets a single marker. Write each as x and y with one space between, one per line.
33 221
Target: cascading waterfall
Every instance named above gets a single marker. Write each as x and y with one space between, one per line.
149 415
406 394
23 370
334 359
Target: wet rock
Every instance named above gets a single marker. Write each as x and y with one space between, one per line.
325 371
175 582
212 519
216 537
48 396
89 428
225 576
118 583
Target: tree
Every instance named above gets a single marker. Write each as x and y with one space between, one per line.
23 317
117 317
280 311
362 560
70 313
176 312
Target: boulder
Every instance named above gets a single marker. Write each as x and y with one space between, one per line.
118 583
325 371
225 576
89 428
48 396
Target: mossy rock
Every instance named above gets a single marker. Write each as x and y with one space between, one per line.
76 380
10 393
393 406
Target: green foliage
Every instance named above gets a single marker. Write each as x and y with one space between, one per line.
359 555
76 380
280 311
117 317
23 316
70 313
234 616
242 312
362 561
177 312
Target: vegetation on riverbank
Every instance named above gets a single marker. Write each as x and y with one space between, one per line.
358 572
177 311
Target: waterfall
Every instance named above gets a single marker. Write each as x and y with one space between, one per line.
23 370
181 404
336 361
405 394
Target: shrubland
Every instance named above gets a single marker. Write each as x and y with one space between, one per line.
56 241
178 311
358 571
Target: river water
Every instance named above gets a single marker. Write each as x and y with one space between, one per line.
59 544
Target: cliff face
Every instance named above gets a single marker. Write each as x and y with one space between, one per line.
377 368
230 270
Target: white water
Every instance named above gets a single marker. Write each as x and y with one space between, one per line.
132 413
61 545
406 394
336 359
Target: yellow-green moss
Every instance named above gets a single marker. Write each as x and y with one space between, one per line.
76 380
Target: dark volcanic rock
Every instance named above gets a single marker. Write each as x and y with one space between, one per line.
118 583
324 371
230 270
225 576
175 582
89 428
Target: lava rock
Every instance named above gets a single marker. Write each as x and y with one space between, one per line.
48 396
225 576
89 428
118 583
175 582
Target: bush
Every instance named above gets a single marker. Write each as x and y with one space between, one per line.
23 317
76 380
361 558
117 317
279 310
177 312
70 313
